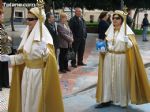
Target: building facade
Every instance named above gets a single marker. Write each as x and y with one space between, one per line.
20 13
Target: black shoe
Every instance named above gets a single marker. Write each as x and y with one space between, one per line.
68 69
62 71
75 66
81 64
102 105
0 89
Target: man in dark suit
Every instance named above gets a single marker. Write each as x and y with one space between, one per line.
52 27
129 18
78 27
145 25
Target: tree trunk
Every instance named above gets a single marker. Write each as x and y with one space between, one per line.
1 4
47 8
53 7
137 26
82 10
12 18
134 18
71 9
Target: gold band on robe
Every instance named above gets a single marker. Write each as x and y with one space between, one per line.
116 52
35 64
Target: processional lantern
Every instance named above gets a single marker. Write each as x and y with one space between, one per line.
40 5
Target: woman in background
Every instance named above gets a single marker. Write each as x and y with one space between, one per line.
103 25
66 39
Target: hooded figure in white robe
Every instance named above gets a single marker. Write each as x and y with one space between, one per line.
121 74
35 83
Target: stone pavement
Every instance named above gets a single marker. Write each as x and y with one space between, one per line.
82 78
85 102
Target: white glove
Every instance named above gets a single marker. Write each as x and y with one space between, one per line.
102 49
126 39
4 58
41 48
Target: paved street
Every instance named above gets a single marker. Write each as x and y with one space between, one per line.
83 78
85 102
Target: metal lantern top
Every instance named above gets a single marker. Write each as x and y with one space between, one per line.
40 4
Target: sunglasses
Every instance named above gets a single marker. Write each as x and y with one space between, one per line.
117 18
31 19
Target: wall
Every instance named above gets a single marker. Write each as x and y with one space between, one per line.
7 12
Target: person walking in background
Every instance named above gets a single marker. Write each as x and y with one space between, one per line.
35 83
145 24
103 25
5 48
78 28
121 74
66 39
109 19
52 27
129 18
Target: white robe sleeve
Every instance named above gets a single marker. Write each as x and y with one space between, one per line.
45 55
129 44
17 59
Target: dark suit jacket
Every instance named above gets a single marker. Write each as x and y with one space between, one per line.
65 35
102 28
53 31
78 28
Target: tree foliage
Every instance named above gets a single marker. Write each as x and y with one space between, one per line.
138 3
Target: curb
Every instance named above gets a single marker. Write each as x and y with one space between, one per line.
80 91
147 65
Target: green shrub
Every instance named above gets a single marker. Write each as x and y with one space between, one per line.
139 31
92 27
92 24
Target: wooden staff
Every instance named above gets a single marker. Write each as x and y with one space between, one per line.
125 32
125 19
40 4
